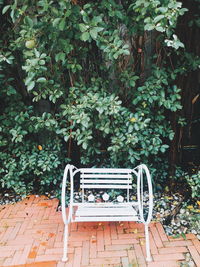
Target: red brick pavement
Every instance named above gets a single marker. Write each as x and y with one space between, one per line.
31 234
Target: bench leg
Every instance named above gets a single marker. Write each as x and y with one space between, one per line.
148 258
65 240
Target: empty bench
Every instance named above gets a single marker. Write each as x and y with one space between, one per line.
120 209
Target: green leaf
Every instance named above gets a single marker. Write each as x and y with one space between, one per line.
171 136
68 13
160 29
29 78
12 13
85 36
11 91
97 19
136 127
162 9
83 27
84 145
30 85
126 52
158 18
41 80
66 138
99 29
132 83
93 33
115 56
60 56
56 21
149 27
29 21
47 124
62 25
5 9
184 236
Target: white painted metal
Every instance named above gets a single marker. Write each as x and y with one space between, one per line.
65 240
107 211
106 219
148 258
98 181
111 186
64 192
65 236
104 170
143 168
107 204
108 175
104 211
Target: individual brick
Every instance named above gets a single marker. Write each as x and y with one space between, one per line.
125 262
112 254
139 255
132 257
172 250
107 235
195 255
104 261
178 243
77 257
165 263
124 241
196 243
113 230
174 256
85 253
156 236
161 232
100 241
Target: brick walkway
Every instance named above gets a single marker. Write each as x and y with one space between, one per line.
31 235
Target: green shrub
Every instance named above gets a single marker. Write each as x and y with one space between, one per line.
194 183
75 71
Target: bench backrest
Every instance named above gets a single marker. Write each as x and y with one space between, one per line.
105 178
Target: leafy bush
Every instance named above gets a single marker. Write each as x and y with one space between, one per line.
193 181
85 72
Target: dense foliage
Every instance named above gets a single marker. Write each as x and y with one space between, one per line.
96 75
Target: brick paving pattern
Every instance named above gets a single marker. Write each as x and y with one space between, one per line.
31 234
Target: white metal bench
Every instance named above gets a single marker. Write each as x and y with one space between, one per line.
106 179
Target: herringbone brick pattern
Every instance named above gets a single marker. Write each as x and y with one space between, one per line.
31 234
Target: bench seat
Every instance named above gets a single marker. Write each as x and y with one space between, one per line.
95 213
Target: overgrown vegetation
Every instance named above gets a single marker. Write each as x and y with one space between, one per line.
97 80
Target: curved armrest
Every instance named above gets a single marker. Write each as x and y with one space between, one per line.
63 201
143 168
